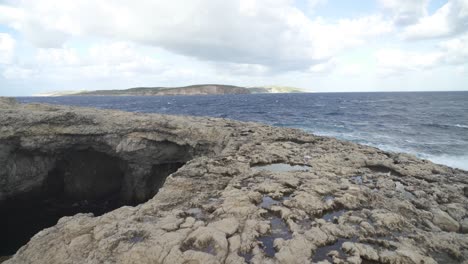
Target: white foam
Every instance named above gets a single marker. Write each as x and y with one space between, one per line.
460 162
462 126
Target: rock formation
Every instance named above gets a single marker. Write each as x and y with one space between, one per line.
203 190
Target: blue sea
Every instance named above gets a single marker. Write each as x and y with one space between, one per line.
430 125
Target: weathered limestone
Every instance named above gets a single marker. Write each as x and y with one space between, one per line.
353 204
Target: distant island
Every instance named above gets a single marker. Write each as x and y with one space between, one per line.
200 89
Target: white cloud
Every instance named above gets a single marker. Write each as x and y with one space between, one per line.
104 60
243 69
15 72
394 61
405 12
7 46
452 52
449 20
325 67
57 57
455 50
272 33
352 69
11 16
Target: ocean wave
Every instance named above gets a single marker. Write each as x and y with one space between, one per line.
460 162
444 125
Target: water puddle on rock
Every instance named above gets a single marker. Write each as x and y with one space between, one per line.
281 167
196 213
278 227
322 253
247 256
328 198
330 217
268 202
305 224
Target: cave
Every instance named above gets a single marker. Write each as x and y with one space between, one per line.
81 181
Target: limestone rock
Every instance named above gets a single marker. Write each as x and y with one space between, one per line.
172 189
444 221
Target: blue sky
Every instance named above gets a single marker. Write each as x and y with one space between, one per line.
317 45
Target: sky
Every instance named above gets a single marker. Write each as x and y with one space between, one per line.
317 45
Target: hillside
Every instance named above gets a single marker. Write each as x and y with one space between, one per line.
199 89
203 89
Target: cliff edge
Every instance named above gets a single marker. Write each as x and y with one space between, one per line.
173 189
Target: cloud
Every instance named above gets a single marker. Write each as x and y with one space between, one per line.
395 61
15 72
449 20
453 52
103 60
404 12
57 57
243 69
11 16
270 33
323 68
7 46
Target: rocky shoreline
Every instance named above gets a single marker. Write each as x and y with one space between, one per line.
204 190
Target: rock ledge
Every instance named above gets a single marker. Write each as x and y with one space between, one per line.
199 197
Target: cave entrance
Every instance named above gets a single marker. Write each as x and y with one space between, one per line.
84 181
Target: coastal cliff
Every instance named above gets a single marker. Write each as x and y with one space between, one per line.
174 189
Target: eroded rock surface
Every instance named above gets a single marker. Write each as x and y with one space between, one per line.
353 203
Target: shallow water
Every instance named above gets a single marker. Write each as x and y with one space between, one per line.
279 229
432 125
321 252
331 215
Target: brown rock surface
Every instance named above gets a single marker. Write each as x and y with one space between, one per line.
354 203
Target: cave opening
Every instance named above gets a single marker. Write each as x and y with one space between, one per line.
82 181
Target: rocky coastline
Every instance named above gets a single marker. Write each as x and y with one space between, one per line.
179 189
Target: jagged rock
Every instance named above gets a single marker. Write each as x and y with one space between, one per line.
193 195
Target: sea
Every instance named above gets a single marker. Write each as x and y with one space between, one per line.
430 125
